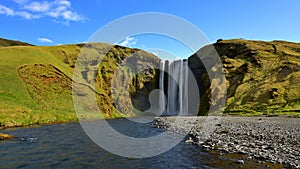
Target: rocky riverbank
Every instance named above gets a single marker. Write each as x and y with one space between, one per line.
272 139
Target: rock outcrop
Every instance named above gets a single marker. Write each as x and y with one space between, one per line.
125 78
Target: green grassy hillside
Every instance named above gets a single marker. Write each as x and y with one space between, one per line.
21 69
6 42
36 82
262 77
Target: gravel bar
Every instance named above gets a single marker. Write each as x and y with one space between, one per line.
271 139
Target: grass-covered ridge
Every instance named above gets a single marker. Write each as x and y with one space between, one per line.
6 42
36 81
262 77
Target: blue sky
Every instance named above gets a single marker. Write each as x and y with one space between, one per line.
52 22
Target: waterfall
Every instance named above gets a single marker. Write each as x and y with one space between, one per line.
161 99
173 83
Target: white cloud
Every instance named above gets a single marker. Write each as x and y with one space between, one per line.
69 15
6 11
45 40
59 10
38 6
64 2
10 12
27 15
129 41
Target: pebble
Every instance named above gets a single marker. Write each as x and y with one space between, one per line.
189 141
240 161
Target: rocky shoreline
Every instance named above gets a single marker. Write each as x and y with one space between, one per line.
271 139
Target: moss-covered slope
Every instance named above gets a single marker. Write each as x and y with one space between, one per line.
6 42
36 82
262 77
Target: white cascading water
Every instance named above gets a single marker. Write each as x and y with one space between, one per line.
174 76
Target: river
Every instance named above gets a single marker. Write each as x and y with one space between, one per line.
67 146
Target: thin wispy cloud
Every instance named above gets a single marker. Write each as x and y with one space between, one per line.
45 40
128 41
6 11
59 10
38 6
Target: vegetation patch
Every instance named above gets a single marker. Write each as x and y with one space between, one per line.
36 82
262 77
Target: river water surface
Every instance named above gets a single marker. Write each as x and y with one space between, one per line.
67 146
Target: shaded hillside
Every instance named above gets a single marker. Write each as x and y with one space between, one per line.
6 42
262 77
124 79
36 82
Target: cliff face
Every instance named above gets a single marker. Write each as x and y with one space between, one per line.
123 79
261 77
